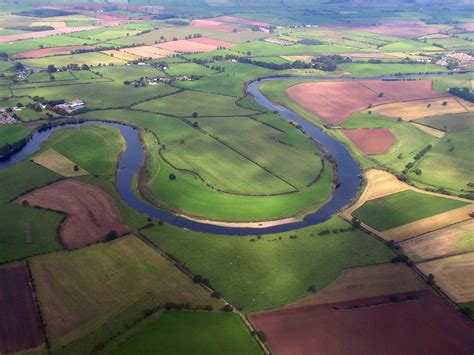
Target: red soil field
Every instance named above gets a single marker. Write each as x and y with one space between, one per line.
428 325
335 101
186 46
241 21
213 42
29 35
371 141
36 53
91 213
396 28
20 325
366 55
212 25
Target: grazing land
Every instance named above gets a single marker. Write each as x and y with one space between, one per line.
450 274
79 291
450 123
428 318
175 333
20 325
91 214
271 279
402 208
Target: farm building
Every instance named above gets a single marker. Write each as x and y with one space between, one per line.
70 108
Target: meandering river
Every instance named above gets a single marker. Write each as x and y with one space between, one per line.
133 158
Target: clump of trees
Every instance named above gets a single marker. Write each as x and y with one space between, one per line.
30 28
463 93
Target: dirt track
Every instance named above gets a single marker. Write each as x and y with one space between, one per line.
91 213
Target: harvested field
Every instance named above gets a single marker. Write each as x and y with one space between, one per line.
335 102
122 55
442 242
20 326
366 281
431 131
454 275
371 141
58 163
148 52
212 25
412 110
186 46
241 21
37 53
427 325
55 24
92 214
303 58
428 224
40 34
213 42
367 55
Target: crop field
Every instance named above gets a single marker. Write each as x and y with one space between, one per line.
450 123
175 332
365 282
92 58
203 103
402 208
33 44
413 110
371 141
331 108
454 239
361 70
80 290
450 274
189 46
37 53
390 325
260 263
91 213
121 55
152 51
58 163
20 325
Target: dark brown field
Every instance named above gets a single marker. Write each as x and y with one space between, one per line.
20 326
91 213
428 325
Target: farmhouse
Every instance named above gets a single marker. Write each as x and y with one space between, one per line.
70 108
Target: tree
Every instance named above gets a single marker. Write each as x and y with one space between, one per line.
445 103
216 294
51 69
197 279
76 168
195 114
172 176
111 236
85 66
355 222
227 308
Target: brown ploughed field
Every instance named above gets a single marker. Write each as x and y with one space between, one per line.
91 213
20 326
427 325
212 25
186 46
213 42
37 53
148 52
335 102
371 141
40 34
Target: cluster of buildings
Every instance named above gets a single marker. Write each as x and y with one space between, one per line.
70 108
459 59
156 80
6 117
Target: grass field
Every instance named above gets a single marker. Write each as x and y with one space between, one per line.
80 290
203 103
270 271
216 162
93 58
11 133
95 149
410 46
450 163
402 208
450 123
175 333
368 70
46 42
188 69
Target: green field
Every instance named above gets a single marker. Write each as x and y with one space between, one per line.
188 69
368 70
450 123
203 103
175 333
273 270
92 58
79 291
409 46
402 208
11 133
450 163
186 151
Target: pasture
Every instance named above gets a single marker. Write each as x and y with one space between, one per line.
79 291
402 208
262 263
361 70
11 133
175 332
450 123
91 59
